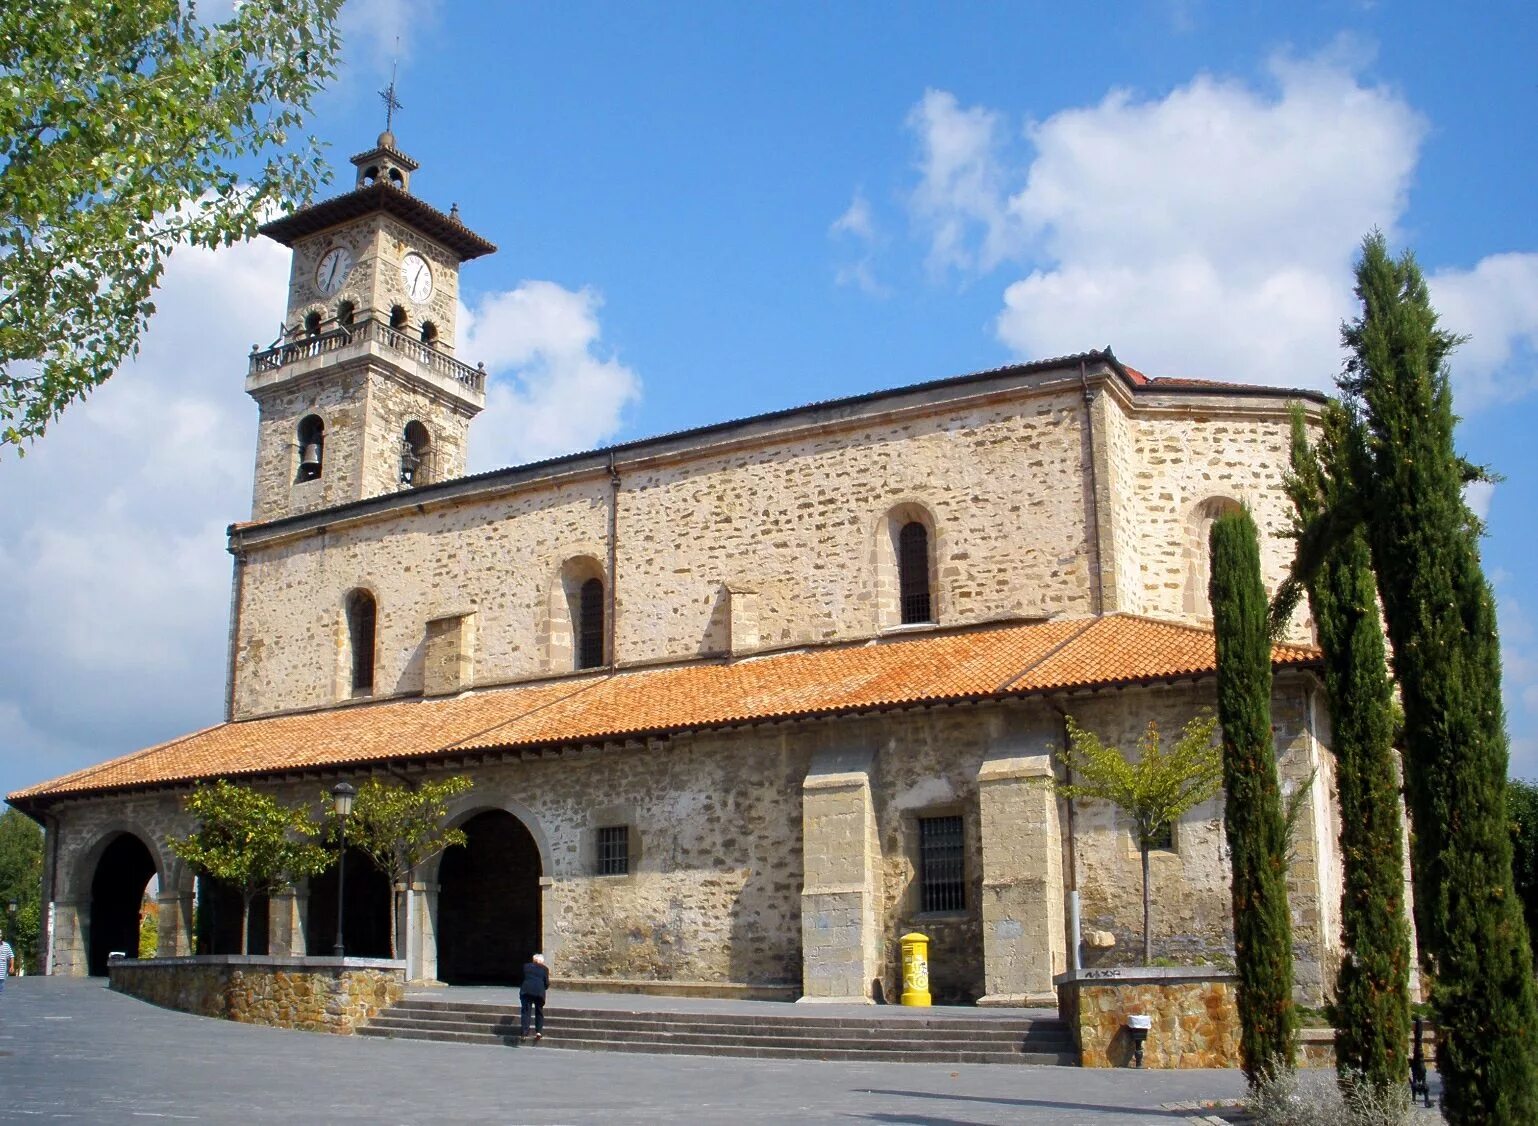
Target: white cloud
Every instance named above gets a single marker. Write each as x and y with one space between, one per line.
112 551
385 31
1496 306
1478 495
961 198
856 230
553 389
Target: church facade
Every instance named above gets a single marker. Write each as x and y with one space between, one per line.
742 705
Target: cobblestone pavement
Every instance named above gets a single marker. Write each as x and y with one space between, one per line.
72 1050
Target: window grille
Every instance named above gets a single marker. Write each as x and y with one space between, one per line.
614 850
941 870
913 573
590 627
1162 838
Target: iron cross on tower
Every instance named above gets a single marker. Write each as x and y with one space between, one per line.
391 102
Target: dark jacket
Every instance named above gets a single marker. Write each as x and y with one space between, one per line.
536 980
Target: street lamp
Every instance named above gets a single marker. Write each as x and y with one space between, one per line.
341 798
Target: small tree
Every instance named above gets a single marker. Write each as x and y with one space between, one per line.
251 841
21 883
398 828
1154 790
1253 814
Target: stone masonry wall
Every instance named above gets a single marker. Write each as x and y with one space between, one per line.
1194 1020
316 995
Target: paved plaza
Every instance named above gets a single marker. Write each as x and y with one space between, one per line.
72 1050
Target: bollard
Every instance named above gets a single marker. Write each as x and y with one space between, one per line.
915 948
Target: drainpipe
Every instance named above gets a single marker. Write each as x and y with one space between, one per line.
608 618
1073 856
1094 489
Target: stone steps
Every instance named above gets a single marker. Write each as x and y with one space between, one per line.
787 1036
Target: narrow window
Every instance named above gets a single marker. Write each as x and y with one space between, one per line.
312 447
345 312
614 850
312 324
397 317
913 573
941 877
361 614
429 332
416 448
590 627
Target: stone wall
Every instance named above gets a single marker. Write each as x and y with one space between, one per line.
1194 1018
313 994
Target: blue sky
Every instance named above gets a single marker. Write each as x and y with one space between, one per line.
706 211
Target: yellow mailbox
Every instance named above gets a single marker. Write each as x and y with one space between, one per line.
915 949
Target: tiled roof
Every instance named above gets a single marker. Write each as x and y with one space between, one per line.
902 671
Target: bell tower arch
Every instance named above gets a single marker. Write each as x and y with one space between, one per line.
362 393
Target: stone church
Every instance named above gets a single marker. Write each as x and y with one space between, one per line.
742 704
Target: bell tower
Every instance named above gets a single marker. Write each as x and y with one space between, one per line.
362 393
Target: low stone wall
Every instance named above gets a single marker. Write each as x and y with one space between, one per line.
1193 1013
314 994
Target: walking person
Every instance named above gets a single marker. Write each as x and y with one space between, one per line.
531 997
7 959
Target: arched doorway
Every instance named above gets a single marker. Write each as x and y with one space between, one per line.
218 919
488 902
366 918
117 897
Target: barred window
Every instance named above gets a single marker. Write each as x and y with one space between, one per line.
941 875
614 850
1162 838
913 573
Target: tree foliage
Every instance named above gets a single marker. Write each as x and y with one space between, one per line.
399 827
250 841
127 130
1372 990
1441 621
1522 805
21 883
1154 790
1252 813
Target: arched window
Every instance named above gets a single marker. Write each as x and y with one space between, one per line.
312 324
589 625
312 447
345 312
397 318
913 573
361 620
429 332
1198 554
396 179
416 455
370 175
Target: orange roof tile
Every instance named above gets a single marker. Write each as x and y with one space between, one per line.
893 672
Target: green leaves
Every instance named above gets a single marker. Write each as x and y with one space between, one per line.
1157 787
249 839
125 132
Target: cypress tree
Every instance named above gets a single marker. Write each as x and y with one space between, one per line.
1372 988
1252 815
1441 623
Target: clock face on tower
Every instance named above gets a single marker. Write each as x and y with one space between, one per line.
331 272
418 276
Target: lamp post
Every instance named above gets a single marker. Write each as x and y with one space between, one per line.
341 798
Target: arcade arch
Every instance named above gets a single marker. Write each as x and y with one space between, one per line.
490 914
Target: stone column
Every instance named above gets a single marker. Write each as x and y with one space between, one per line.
70 957
173 914
286 914
1023 927
424 942
840 941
